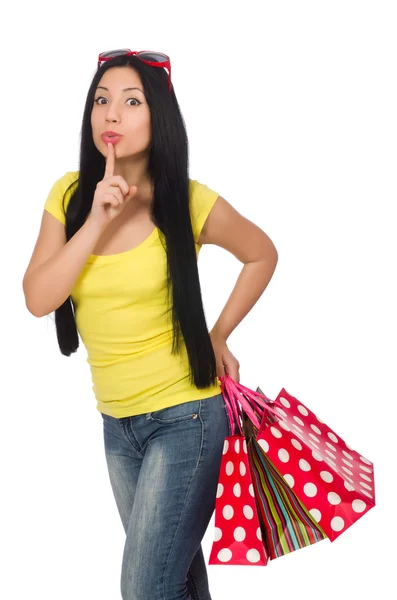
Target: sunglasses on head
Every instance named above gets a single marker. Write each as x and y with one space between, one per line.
155 59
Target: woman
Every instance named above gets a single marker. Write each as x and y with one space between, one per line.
116 259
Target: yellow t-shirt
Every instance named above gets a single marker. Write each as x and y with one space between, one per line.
124 322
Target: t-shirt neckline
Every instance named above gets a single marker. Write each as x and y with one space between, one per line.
112 257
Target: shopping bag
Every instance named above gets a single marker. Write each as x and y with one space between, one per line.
332 481
286 525
238 534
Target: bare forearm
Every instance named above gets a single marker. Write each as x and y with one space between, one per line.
251 283
51 284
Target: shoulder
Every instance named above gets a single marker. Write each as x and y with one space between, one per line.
200 191
201 201
69 178
60 194
62 183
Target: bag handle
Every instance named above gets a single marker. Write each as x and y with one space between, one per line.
239 395
233 408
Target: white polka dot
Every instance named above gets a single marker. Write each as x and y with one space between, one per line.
229 467
310 490
315 514
251 490
316 429
225 446
334 498
299 421
367 494
259 533
248 512
285 402
330 454
358 506
332 437
330 462
347 478
364 460
368 487
237 490
224 555
264 445
296 444
314 437
349 447
284 425
303 411
317 456
281 412
290 480
239 534
228 512
337 524
347 470
253 555
219 490
276 432
349 464
349 487
365 477
245 446
243 468
319 420
327 476
304 465
217 534
237 446
283 455
365 469
347 454
330 446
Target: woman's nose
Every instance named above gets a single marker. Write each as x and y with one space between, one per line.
112 115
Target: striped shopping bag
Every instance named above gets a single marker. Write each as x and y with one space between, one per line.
286 524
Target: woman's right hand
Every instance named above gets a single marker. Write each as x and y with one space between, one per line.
112 193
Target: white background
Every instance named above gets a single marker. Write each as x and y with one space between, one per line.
291 116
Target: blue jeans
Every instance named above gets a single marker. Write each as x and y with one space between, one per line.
163 468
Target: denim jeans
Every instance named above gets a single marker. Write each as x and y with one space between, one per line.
163 468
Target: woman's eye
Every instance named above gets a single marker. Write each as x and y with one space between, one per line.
97 100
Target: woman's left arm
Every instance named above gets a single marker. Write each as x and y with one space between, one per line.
227 228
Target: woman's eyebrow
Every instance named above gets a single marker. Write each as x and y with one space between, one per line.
125 89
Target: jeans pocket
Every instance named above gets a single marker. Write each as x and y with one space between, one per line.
175 414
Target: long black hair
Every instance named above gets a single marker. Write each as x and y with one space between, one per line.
168 170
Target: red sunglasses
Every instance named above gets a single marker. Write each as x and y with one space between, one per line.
155 59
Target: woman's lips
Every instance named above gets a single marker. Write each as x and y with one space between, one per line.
113 139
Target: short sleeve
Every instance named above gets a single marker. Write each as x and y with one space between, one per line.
202 199
54 202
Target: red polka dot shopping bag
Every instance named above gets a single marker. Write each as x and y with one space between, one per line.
285 482
238 535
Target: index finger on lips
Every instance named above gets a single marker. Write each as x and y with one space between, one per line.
109 169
